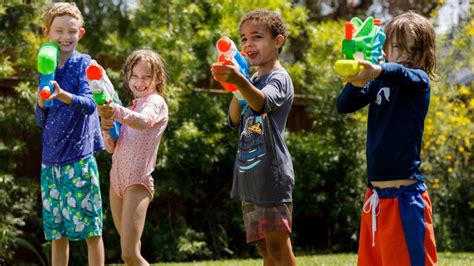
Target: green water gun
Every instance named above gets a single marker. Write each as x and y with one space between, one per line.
47 62
363 41
103 90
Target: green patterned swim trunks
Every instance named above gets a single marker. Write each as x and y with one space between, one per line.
72 205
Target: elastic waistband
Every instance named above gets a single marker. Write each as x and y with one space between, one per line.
402 190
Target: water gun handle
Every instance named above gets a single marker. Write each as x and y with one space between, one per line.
231 87
114 132
347 67
46 89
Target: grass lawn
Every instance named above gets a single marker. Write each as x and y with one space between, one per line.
451 259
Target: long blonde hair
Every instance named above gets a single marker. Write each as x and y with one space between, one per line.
423 53
157 68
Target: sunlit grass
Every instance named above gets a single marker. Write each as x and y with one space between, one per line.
320 260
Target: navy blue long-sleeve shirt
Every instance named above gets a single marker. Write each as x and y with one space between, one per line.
70 132
398 103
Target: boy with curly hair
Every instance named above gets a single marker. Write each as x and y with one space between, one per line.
263 171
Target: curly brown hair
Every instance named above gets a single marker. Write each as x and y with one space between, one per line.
157 68
269 19
423 53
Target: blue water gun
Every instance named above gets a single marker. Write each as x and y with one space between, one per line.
47 61
227 49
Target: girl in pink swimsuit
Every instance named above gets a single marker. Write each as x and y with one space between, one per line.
134 153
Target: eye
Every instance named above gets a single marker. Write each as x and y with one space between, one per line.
243 40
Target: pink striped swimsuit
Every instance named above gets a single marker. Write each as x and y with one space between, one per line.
134 155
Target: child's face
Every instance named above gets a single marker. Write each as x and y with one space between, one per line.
66 31
142 80
259 44
396 53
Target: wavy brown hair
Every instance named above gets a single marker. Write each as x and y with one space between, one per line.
423 53
157 68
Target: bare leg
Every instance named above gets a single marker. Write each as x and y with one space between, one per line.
279 248
95 251
60 252
262 248
116 208
135 204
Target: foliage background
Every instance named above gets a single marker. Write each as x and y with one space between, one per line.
191 216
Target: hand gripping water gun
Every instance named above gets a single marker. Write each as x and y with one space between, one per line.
363 41
227 49
102 90
47 61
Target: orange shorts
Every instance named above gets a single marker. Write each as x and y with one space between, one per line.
397 228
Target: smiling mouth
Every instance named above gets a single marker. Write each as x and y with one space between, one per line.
141 89
251 54
65 43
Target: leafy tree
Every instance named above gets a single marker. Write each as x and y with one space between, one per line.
447 144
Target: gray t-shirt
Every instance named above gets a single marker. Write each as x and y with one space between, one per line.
263 169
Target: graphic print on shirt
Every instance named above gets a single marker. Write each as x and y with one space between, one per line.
252 143
385 91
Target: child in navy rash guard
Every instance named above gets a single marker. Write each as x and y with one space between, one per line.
396 225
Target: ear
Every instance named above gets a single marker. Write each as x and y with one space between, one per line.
279 41
46 31
82 31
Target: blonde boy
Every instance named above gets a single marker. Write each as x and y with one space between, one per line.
70 192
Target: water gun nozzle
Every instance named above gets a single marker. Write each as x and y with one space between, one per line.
94 72
224 44
45 92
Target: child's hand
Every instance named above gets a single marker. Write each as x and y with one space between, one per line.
54 94
369 73
106 124
228 73
57 90
106 110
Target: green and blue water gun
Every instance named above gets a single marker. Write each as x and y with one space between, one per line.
363 41
47 62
